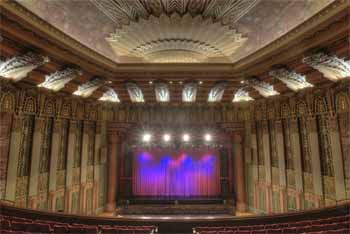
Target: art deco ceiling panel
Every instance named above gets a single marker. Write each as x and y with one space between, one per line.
175 30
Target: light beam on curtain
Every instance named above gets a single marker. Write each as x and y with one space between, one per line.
176 173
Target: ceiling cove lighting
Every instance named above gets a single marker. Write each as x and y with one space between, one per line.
216 93
162 92
146 137
189 92
135 92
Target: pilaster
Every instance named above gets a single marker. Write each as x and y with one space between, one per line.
35 162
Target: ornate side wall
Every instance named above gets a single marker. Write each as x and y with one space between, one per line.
53 147
298 150
52 151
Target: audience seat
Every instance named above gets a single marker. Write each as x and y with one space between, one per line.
329 225
19 225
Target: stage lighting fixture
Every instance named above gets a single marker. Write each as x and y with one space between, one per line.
146 137
166 137
207 137
186 137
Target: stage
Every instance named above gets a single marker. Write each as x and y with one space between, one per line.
179 206
176 223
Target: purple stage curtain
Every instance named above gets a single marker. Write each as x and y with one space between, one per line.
176 173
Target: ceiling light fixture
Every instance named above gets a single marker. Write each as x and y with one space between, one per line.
146 137
207 137
166 137
186 137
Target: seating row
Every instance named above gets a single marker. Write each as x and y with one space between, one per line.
337 224
10 224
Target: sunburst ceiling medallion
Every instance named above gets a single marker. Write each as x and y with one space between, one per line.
175 30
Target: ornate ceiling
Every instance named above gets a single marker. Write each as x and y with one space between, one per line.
189 31
33 52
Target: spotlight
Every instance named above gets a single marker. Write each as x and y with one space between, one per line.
170 82
207 137
166 137
200 82
146 137
242 81
180 82
186 137
150 82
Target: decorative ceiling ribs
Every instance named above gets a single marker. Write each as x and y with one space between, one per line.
189 91
292 79
330 66
265 89
241 95
109 96
86 89
175 38
18 67
162 91
227 12
170 31
57 80
135 93
216 93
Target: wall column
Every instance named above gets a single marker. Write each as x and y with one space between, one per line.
70 162
35 162
56 139
281 165
315 158
339 176
113 140
298 170
267 163
83 167
238 162
15 141
5 134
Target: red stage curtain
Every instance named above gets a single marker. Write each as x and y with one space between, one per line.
176 173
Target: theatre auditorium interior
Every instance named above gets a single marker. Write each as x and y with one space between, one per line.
175 116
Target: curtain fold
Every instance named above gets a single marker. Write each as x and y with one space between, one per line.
176 173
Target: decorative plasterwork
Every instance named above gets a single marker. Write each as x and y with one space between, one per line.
331 66
189 92
109 96
292 79
192 39
162 92
18 67
262 87
242 95
135 92
216 93
59 79
86 89
226 12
